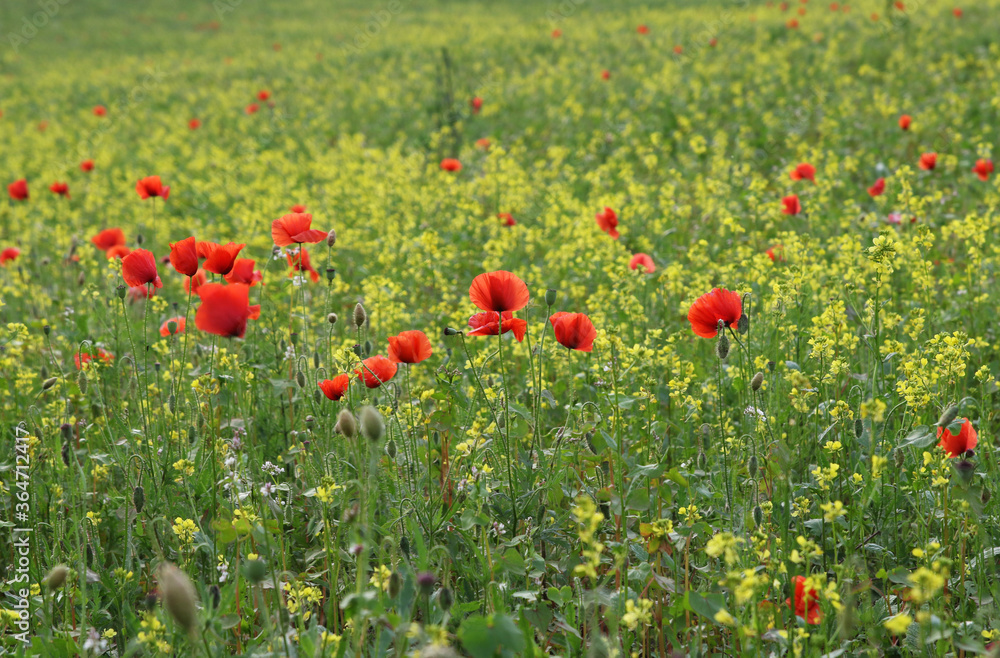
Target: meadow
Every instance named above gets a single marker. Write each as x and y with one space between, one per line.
577 328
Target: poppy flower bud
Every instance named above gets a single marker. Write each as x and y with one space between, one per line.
255 571
859 428
404 545
331 273
172 403
758 516
360 317
770 366
293 338
752 466
722 347
702 460
139 239
44 372
395 584
449 331
332 318
346 424
357 349
743 324
310 420
156 366
949 416
46 330
315 359
445 599
372 425
179 597
899 458
57 577
368 347
390 449
550 296
425 580
191 434
317 396
49 383
300 379
331 238
138 498
215 594
81 381
757 381
121 290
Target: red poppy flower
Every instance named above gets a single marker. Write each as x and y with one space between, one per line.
220 258
117 251
135 293
298 207
151 186
409 347
834 6
957 12
335 388
928 161
263 95
252 108
194 124
507 218
678 49
806 606
605 74
61 189
184 256
100 111
109 237
790 205
899 5
556 33
499 291
294 228
180 321
10 253
983 169
18 190
878 188
792 24
642 29
243 272
607 221
483 143
81 358
803 171
451 164
574 330
87 165
376 370
476 104
956 444
642 260
139 269
224 310
707 310
298 260
905 121
489 324
192 284
776 253
42 126
713 42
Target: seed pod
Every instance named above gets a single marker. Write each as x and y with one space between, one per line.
57 577
171 327
49 383
346 424
255 571
300 379
372 425
949 416
859 428
121 290
450 331
360 317
179 597
331 274
46 329
550 296
395 584
332 318
757 381
758 516
752 466
390 448
138 499
722 347
357 350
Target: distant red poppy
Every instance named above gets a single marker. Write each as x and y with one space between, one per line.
151 186
476 104
489 323
87 165
899 5
298 207
713 42
117 251
803 171
792 24
179 323
376 370
224 310
707 310
137 293
192 284
928 161
18 190
295 228
220 258
8 254
139 269
252 108
62 189
335 388
409 347
100 111
642 29
834 6
81 358
806 605
642 260
451 164
790 205
874 16
957 12
194 124
878 188
905 121
108 238
499 291
243 272
574 331
605 74
957 444
607 221
298 260
184 256
483 143
678 49
276 47
556 33
983 169
43 126
263 95
507 219
776 253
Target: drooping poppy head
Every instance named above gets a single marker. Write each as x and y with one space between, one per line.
151 186
642 260
905 121
295 228
252 108
224 310
376 370
263 95
139 269
983 169
243 272
194 124
790 205
707 310
574 331
298 207
476 104
220 258
806 603
451 164
499 291
100 111
607 221
87 165
776 253
877 188
955 445
184 256
335 388
488 323
108 238
409 347
18 190
192 284
102 356
928 161
803 171
117 251
62 189
8 254
507 219
173 326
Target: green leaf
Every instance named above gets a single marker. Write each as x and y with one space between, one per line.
484 637
919 437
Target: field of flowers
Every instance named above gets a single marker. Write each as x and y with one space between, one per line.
487 329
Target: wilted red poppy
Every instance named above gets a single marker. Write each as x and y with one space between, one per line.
451 164
179 323
983 169
108 238
707 310
877 188
80 358
642 260
776 253
298 207
252 108
957 444
499 291
483 143
243 272
335 388
607 221
10 253
642 29
409 347
61 189
507 219
476 104
376 370
151 186
194 124
904 121
100 111
18 190
184 256
605 74
192 284
139 269
294 228
87 165
806 605
224 310
928 161
263 95
790 205
574 330
489 324
117 251
219 258
803 171
298 260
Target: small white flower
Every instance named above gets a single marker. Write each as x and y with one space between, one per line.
266 490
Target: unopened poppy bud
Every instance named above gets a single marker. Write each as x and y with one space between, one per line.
331 274
121 290
138 498
395 584
293 338
44 372
589 436
425 580
722 347
310 420
752 466
758 516
404 545
215 595
332 318
550 296
757 381
450 331
368 348
331 238
49 383
770 366
360 317
171 327
57 577
372 426
390 449
317 396
179 597
346 424
743 324
315 359
81 381
139 239
191 433
702 460
949 416
46 330
255 571
300 379
899 458
859 428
